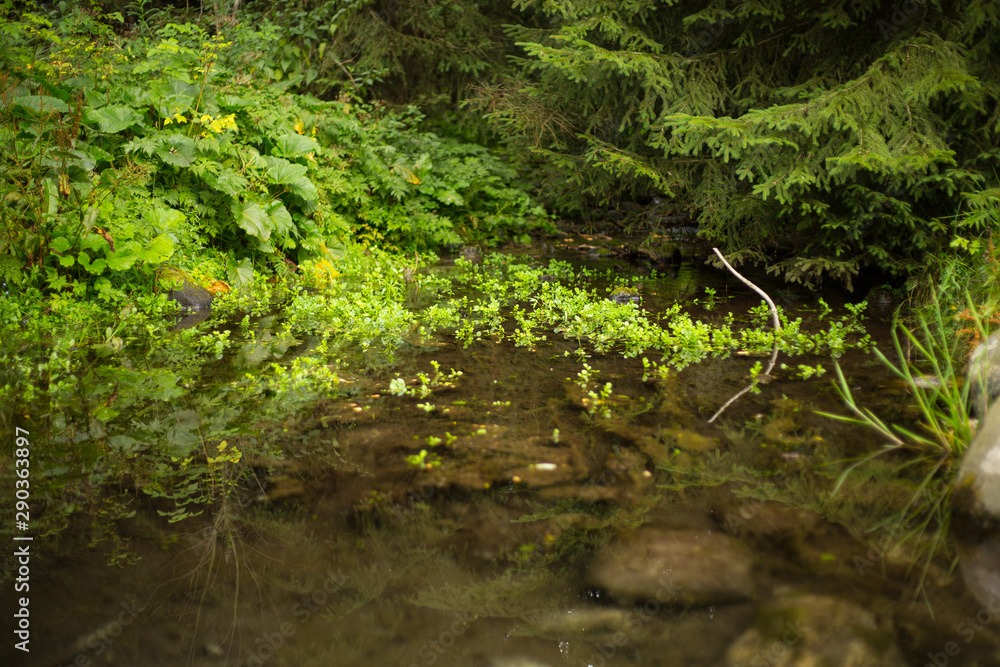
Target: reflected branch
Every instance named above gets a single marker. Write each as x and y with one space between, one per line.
777 327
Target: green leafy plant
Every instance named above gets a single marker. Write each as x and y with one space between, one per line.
932 450
863 156
423 459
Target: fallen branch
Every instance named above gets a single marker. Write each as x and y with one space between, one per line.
777 327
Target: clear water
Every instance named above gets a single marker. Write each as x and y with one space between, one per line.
345 554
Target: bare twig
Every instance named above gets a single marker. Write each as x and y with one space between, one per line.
777 327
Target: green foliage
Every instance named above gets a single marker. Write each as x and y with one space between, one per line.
426 52
817 137
514 292
427 383
931 370
930 366
123 155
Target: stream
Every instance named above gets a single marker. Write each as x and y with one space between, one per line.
543 526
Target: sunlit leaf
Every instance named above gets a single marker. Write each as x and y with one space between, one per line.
252 219
240 274
159 250
163 218
295 145
281 171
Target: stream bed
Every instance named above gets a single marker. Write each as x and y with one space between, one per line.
519 515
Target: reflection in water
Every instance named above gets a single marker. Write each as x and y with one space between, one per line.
342 553
192 319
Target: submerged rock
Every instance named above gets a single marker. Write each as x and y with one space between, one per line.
979 563
584 621
516 661
683 567
983 374
471 254
191 319
807 629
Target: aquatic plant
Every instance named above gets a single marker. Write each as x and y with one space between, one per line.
536 307
930 369
424 385
597 397
423 459
943 402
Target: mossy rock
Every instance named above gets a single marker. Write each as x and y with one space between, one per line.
471 254
882 299
191 296
624 295
798 629
183 289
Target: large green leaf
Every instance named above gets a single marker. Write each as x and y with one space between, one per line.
295 145
281 171
177 150
225 180
69 158
281 219
60 244
173 96
124 258
163 218
159 250
234 102
97 266
41 103
252 219
240 275
304 188
114 118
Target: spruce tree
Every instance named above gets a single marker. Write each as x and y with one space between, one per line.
818 137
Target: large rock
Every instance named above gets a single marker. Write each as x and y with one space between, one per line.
978 481
882 300
192 297
679 567
979 563
815 630
183 289
983 375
